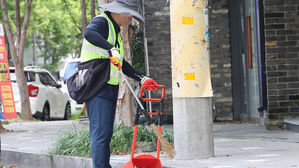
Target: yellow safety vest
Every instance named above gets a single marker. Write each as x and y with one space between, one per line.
90 51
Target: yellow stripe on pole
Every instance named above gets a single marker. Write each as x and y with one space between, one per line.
189 76
187 20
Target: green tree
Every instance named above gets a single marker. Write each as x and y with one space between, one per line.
56 33
58 27
16 40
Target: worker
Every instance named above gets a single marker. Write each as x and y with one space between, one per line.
102 39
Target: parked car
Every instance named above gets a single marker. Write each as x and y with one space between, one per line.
70 68
47 100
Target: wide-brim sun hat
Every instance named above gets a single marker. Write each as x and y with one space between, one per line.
124 6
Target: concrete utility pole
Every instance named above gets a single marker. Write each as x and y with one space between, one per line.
191 83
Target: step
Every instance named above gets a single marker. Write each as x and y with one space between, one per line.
292 124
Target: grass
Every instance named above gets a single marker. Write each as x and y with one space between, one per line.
75 116
77 142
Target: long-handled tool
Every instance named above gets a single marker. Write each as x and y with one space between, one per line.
166 145
146 160
130 87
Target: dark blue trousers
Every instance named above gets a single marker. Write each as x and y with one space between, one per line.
101 113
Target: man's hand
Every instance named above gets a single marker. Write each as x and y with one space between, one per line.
150 82
115 59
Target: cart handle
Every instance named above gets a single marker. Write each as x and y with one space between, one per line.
147 86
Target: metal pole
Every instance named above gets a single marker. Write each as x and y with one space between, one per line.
146 58
130 87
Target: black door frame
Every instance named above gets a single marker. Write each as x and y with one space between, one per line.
239 52
237 16
263 84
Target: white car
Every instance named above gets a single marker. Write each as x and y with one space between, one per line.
47 100
70 68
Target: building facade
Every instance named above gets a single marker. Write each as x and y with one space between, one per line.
282 57
254 57
157 32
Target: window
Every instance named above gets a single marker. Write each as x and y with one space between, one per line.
51 80
43 78
46 79
30 76
13 77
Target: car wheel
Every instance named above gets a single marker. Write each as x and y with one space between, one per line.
46 112
67 112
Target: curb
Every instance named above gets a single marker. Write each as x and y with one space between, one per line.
32 160
292 127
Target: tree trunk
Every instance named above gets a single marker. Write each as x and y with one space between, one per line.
17 22
126 105
34 50
1 127
83 14
23 89
53 57
45 51
17 53
92 9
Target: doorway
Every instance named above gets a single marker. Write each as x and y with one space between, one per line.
246 23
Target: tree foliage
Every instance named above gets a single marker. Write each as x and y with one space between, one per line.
57 25
137 50
16 41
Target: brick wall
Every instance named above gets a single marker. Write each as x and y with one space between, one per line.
220 58
157 29
282 57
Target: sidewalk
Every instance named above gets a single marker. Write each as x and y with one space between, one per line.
236 146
